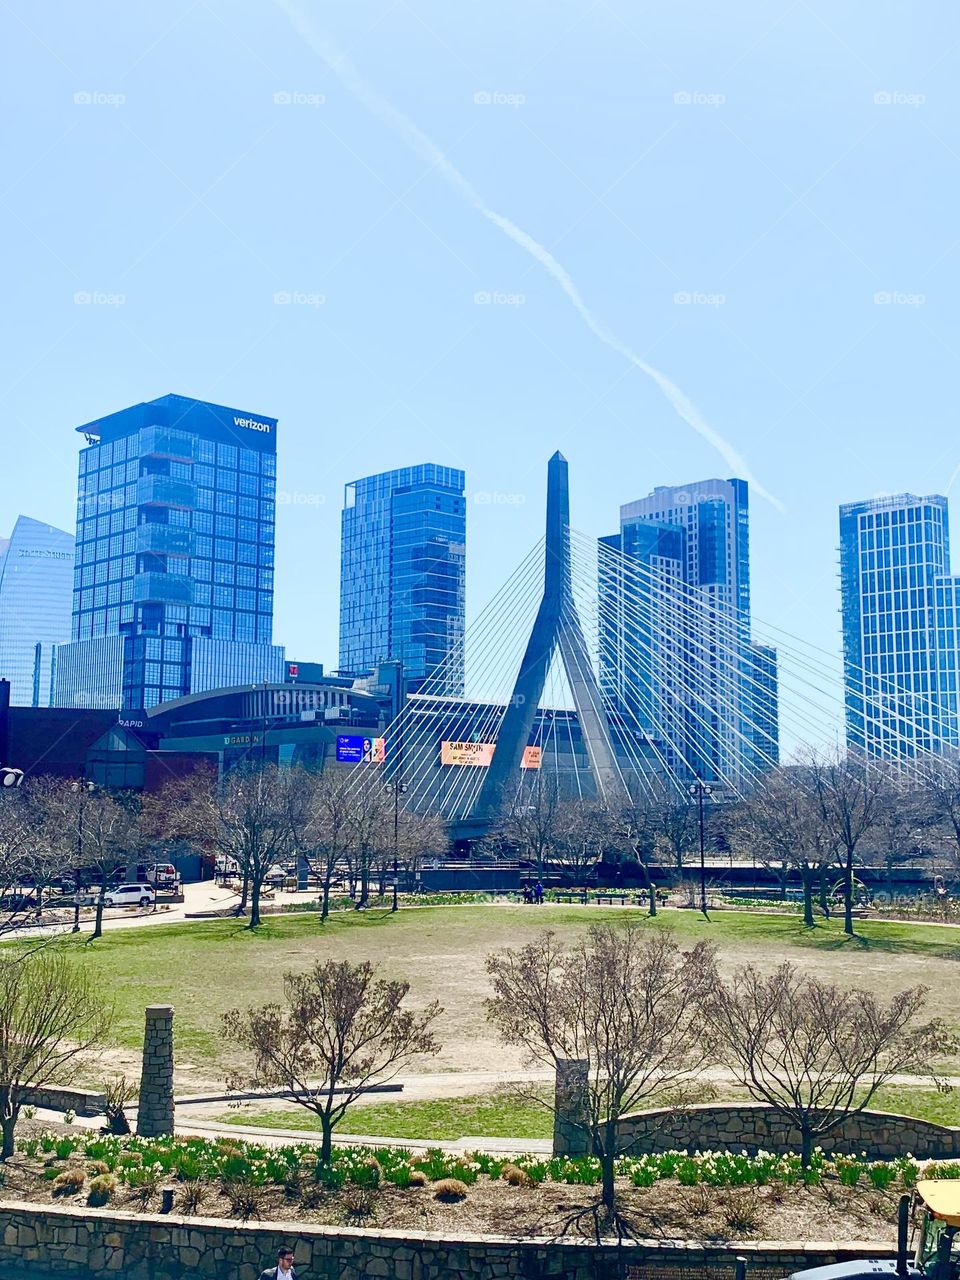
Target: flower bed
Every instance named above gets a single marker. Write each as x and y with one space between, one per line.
146 1162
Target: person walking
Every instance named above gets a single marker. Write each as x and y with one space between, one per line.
538 894
284 1268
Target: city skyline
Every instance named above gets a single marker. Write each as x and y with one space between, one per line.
715 206
762 664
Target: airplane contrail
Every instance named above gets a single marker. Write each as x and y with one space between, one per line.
357 85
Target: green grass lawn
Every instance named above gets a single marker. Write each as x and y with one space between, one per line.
205 968
489 1115
502 1114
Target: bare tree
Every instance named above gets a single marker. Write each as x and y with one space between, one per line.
939 784
340 1029
784 823
50 1016
323 830
814 1052
532 825
32 856
90 830
906 831
252 815
638 822
583 832
369 827
852 792
676 823
625 1001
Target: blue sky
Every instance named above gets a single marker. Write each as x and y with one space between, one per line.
783 165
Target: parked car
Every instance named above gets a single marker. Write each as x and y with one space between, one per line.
18 902
130 895
162 875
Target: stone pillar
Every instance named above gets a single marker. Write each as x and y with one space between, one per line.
571 1114
155 1111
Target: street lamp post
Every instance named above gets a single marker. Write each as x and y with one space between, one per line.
700 789
398 788
83 787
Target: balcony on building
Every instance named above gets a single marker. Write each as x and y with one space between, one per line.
162 588
164 442
164 491
165 540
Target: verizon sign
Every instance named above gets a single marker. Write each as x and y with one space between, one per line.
251 424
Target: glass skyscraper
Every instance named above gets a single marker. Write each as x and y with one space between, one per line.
36 581
173 585
402 575
900 638
675 648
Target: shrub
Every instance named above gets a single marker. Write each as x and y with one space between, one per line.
515 1176
450 1190
329 1176
99 1166
881 1173
101 1189
192 1197
244 1198
118 1092
849 1169
418 1178
358 1201
367 1174
69 1182
742 1212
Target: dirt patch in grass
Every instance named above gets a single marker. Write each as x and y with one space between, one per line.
441 952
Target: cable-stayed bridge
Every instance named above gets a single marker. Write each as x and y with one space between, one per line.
607 676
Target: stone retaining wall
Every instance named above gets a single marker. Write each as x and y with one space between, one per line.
58 1098
756 1127
100 1245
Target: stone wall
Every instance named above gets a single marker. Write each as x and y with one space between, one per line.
100 1245
59 1098
756 1127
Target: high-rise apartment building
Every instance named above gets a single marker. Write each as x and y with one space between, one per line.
402 575
173 584
676 653
36 584
900 638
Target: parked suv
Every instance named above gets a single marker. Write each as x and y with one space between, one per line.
130 895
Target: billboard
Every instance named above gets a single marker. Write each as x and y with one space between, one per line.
475 753
531 757
352 749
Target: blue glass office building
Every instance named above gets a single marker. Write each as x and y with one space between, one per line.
36 582
402 575
899 604
173 585
675 648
